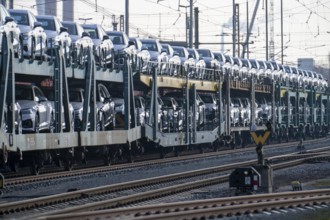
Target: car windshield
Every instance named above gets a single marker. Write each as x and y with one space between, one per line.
72 29
152 46
236 103
192 53
47 24
179 51
167 102
206 98
219 56
20 18
23 93
254 64
287 69
204 53
74 96
49 93
116 39
245 62
245 102
92 32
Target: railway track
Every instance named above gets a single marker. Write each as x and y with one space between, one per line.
210 208
101 169
123 194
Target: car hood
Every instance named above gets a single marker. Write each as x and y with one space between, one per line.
153 55
51 34
77 105
26 104
119 47
24 28
118 101
97 41
74 38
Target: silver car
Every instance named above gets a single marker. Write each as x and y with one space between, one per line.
36 111
25 20
49 93
211 106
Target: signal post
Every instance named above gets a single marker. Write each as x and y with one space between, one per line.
264 169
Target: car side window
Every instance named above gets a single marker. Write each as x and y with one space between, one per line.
38 92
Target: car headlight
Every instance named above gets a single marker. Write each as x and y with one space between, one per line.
25 36
80 113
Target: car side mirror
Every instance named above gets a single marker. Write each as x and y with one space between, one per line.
63 29
105 37
37 24
131 43
42 99
144 48
163 50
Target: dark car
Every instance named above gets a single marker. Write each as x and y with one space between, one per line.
199 104
174 113
208 57
104 104
140 107
106 108
182 52
103 46
36 111
154 48
161 116
194 54
137 43
49 94
120 42
17 115
74 29
3 14
211 106
219 57
25 20
76 98
169 50
52 27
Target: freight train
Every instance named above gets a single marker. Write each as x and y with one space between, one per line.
68 104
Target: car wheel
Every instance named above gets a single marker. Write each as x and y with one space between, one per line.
33 45
100 124
19 50
19 129
36 124
111 64
52 124
81 56
72 123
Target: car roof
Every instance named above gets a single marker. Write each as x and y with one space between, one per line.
19 10
46 16
115 32
90 25
148 40
69 22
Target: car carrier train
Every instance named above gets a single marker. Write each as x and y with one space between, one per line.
63 102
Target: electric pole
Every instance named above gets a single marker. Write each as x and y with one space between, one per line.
127 17
234 28
191 24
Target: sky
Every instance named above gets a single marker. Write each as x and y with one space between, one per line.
306 23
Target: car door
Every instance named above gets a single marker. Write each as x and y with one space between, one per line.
42 107
104 96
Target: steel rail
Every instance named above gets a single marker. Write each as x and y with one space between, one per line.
90 170
208 208
124 200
